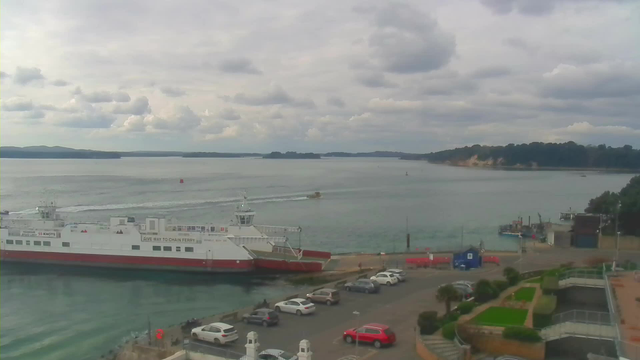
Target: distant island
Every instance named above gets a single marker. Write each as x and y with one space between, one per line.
291 155
391 154
537 155
219 155
54 152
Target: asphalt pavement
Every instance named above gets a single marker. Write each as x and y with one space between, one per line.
396 306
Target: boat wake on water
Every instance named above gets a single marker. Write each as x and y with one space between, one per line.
182 205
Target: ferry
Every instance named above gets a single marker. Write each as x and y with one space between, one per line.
156 243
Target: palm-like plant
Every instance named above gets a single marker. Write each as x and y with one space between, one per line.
447 294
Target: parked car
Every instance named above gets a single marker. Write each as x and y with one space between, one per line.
217 333
470 284
265 317
363 285
296 306
377 334
465 291
386 278
273 354
400 274
327 296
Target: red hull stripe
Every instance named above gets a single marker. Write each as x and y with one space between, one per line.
134 261
283 265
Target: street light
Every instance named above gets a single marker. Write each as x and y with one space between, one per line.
617 232
357 314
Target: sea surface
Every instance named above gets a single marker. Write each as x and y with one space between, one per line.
70 313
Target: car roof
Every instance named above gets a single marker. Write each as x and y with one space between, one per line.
263 310
220 325
398 270
297 299
377 326
384 272
325 289
275 352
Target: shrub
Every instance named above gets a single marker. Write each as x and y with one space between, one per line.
485 291
549 285
521 334
512 275
449 331
447 294
448 318
466 307
500 285
428 322
545 306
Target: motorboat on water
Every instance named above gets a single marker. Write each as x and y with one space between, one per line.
315 195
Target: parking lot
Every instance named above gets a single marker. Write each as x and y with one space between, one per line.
396 306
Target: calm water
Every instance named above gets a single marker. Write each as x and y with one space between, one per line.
57 313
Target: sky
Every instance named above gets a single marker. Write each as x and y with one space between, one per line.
280 75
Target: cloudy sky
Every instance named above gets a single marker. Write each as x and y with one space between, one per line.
207 75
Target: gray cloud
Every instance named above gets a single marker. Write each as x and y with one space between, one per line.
229 114
17 104
336 101
180 118
592 81
520 43
408 41
524 7
374 80
93 120
172 91
34 114
4 75
491 72
24 76
104 96
239 66
60 82
138 106
274 96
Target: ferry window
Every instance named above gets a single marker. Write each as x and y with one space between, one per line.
166 248
213 229
18 242
135 247
152 225
177 248
188 249
9 242
37 243
157 248
28 242
66 244
46 243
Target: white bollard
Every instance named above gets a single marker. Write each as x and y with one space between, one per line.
305 350
252 345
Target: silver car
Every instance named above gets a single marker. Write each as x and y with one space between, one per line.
400 274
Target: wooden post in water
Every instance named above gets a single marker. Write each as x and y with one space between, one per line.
408 236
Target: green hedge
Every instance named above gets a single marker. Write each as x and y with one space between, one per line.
485 291
549 285
428 322
521 334
466 307
542 312
449 331
500 285
449 318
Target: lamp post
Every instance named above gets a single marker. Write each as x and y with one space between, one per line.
617 232
357 314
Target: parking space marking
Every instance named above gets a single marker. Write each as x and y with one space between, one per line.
354 357
336 340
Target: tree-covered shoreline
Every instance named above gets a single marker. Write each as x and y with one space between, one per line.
567 155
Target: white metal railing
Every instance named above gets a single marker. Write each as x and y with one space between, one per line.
613 312
570 328
202 348
267 229
584 317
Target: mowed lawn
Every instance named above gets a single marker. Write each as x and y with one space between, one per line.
525 293
500 316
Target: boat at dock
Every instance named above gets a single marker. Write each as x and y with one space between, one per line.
156 243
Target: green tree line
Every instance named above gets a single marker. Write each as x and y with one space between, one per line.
626 204
567 155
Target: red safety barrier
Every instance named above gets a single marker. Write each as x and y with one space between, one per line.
424 262
491 259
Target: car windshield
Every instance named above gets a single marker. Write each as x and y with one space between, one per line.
273 314
229 330
286 355
305 302
335 293
388 332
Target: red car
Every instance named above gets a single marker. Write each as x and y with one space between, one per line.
376 334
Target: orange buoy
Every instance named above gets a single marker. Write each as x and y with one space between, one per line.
181 181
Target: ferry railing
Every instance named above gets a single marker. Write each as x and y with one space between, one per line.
614 313
583 317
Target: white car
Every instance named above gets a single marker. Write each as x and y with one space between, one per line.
273 354
217 333
386 278
296 306
400 274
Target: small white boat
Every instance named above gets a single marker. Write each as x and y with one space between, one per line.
315 195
